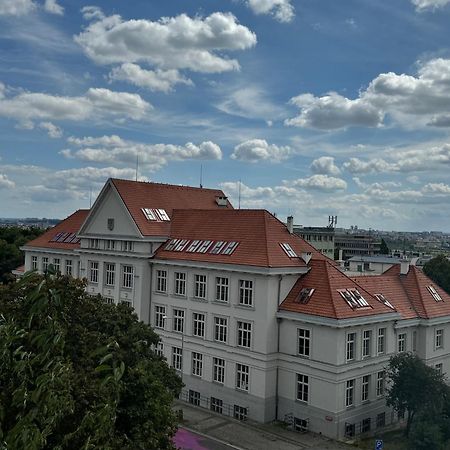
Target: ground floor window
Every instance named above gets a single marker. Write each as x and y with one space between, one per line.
194 397
381 420
240 413
365 426
349 429
300 425
216 405
109 300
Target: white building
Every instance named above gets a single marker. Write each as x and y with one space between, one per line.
259 324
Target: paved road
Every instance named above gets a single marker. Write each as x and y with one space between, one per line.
190 440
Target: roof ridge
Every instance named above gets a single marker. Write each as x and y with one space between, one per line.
176 186
416 280
327 263
265 239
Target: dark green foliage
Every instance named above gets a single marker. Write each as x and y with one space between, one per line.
415 388
11 238
426 435
76 373
384 249
438 269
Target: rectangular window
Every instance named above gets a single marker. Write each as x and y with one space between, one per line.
110 244
222 287
438 367
34 263
178 320
159 349
127 246
160 316
220 329
365 425
180 283
304 337
365 388
93 271
94 243
246 292
161 281
109 300
219 370
57 265
197 364
194 397
380 383
198 322
244 338
240 413
366 343
439 339
302 387
242 377
401 342
127 277
349 392
110 274
381 420
177 358
380 340
200 286
216 405
44 264
350 354
69 267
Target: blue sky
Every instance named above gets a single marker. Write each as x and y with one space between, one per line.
319 107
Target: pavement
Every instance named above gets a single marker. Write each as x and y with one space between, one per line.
202 429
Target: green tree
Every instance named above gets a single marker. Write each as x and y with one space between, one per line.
426 435
384 249
76 373
414 387
438 269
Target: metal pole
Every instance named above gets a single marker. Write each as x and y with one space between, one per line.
182 353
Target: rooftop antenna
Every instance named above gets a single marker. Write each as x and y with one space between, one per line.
137 165
239 201
201 175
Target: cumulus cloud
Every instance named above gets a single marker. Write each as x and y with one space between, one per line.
52 130
16 7
422 5
282 10
154 80
115 150
52 7
96 103
179 42
325 166
5 182
320 183
255 150
420 100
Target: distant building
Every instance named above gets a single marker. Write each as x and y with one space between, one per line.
370 265
356 243
321 238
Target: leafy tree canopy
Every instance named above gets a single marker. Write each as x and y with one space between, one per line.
384 249
438 269
76 373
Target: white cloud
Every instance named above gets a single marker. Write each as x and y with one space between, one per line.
52 130
155 80
179 42
16 7
320 183
420 100
115 150
325 165
422 5
92 13
437 188
95 104
5 182
282 10
255 150
52 7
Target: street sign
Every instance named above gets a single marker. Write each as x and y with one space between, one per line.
379 444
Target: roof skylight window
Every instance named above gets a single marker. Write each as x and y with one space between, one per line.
288 250
434 293
194 246
56 236
171 245
305 295
353 298
204 246
217 247
230 248
181 245
158 215
382 299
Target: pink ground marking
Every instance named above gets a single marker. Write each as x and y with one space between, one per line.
185 440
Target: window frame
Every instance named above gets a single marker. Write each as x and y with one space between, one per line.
439 339
221 329
127 276
198 323
246 293
200 286
161 281
110 274
302 388
218 370
381 341
160 317
350 347
242 377
306 342
365 388
366 349
180 284
350 393
93 272
222 289
244 334
197 364
401 342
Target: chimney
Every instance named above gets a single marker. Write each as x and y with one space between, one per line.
404 267
221 201
290 224
306 256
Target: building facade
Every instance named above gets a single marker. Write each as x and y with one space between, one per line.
259 324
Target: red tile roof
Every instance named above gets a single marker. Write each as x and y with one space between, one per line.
71 224
258 233
326 301
137 195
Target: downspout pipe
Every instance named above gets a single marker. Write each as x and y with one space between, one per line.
280 278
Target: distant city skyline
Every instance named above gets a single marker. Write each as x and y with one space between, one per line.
319 108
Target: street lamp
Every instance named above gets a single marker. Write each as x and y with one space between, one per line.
182 343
